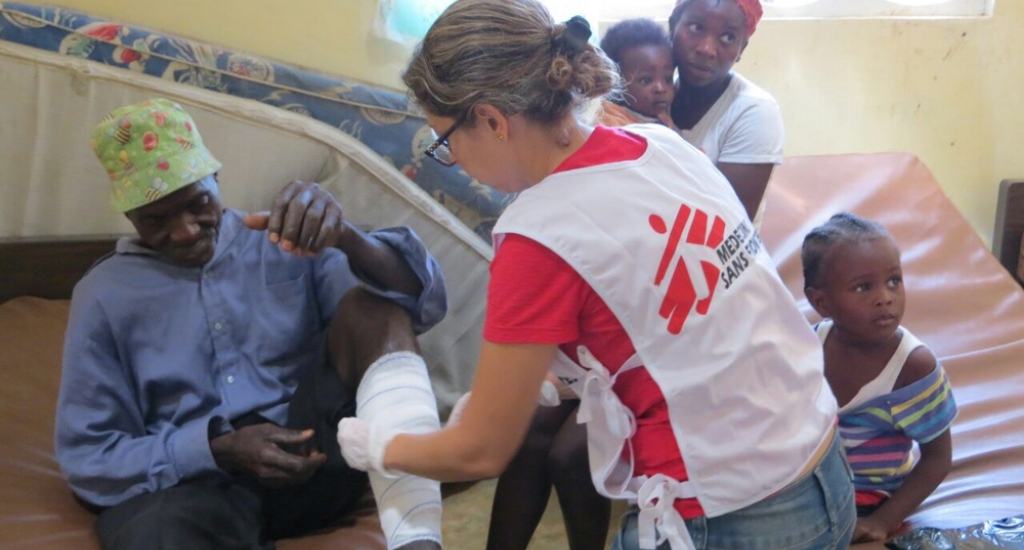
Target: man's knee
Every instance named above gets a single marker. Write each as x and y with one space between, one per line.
363 328
360 309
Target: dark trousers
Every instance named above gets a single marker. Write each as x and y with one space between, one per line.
236 512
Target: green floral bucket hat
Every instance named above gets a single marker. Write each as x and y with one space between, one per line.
150 150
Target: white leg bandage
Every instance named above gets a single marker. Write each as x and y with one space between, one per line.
395 394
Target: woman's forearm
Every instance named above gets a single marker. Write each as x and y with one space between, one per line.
445 455
495 420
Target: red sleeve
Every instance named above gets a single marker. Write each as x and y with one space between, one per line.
534 296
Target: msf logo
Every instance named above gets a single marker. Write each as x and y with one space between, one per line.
692 284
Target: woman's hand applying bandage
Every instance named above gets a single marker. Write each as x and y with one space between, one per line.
363 445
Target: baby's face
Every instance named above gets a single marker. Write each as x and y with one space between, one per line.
648 72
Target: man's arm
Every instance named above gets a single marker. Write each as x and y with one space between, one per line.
102 443
377 261
306 220
110 451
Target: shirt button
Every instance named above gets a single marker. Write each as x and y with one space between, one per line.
217 326
231 379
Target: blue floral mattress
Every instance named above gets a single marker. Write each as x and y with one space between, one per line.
382 119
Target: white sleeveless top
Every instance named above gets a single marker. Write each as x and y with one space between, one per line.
886 380
667 245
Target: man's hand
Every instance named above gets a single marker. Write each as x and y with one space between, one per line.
304 220
870 529
256 450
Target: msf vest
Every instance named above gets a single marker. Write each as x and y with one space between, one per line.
667 245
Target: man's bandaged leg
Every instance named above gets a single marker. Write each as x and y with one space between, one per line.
395 395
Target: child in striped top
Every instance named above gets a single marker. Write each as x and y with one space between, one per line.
891 389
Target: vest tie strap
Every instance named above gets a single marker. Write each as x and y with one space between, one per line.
659 520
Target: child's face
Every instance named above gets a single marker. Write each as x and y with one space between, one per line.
648 72
862 288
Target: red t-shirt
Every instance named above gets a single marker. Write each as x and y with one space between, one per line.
535 297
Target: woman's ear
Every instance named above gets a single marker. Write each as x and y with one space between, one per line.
492 119
817 300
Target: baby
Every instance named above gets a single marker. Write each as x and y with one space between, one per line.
643 53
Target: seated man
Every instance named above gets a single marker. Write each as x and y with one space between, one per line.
208 362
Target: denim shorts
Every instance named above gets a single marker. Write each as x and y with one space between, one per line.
815 513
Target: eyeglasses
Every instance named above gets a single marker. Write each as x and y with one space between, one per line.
439 150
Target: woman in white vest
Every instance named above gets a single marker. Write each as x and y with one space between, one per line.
628 267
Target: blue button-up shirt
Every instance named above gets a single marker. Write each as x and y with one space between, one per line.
155 353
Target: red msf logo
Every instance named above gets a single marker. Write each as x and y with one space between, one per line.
690 284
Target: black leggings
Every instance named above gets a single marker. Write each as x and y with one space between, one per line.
554 454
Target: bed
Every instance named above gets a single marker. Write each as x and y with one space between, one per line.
54 222
960 301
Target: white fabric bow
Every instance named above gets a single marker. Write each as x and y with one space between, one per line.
610 425
658 515
599 398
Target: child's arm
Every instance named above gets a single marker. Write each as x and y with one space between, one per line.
936 457
928 473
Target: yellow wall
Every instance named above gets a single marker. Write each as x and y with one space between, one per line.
945 90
